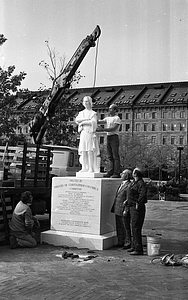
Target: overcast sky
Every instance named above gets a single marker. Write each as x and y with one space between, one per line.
142 41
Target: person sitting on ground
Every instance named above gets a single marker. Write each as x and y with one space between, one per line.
22 223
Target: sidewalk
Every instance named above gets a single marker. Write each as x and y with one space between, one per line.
42 273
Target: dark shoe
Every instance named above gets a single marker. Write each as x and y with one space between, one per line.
115 176
131 250
13 242
136 253
126 247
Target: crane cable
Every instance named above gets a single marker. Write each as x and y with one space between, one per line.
95 69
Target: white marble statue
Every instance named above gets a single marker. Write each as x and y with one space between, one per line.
88 147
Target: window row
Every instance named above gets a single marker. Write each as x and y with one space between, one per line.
151 115
155 115
23 130
154 127
173 140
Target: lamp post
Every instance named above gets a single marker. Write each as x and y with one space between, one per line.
179 149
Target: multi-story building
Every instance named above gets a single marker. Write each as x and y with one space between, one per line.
156 112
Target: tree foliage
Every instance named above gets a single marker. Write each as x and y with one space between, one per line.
60 131
9 83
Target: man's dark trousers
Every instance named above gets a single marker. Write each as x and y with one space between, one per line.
113 154
137 221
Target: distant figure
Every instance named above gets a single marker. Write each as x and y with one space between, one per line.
88 147
112 128
162 191
22 223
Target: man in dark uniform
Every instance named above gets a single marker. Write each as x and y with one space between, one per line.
137 197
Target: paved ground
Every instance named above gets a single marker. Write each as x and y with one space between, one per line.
41 273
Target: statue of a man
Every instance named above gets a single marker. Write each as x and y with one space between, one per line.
88 147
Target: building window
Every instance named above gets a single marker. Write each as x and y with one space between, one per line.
164 140
165 127
173 127
145 138
102 116
153 139
154 115
145 126
165 115
182 126
153 127
127 116
138 127
173 114
120 116
120 127
146 115
101 140
181 140
172 140
19 130
138 115
182 114
127 127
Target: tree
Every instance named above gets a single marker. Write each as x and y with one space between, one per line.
60 131
134 151
8 88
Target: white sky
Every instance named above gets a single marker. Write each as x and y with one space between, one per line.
142 41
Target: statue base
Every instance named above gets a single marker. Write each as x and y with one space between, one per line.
79 240
81 213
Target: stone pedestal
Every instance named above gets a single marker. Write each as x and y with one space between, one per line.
80 213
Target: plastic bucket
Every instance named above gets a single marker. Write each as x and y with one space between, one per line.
153 245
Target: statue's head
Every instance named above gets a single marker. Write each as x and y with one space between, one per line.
87 102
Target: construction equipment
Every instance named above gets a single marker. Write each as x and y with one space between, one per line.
61 87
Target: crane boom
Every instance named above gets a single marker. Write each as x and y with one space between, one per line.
62 84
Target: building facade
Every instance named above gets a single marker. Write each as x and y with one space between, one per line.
156 112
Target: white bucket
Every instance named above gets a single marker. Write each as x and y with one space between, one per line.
153 245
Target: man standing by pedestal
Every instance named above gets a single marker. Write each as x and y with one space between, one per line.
137 198
112 128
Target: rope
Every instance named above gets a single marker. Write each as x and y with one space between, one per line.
171 260
95 69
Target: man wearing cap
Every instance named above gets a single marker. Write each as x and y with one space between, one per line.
112 128
22 222
137 197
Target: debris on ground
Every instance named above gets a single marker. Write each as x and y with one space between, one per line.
172 260
66 255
